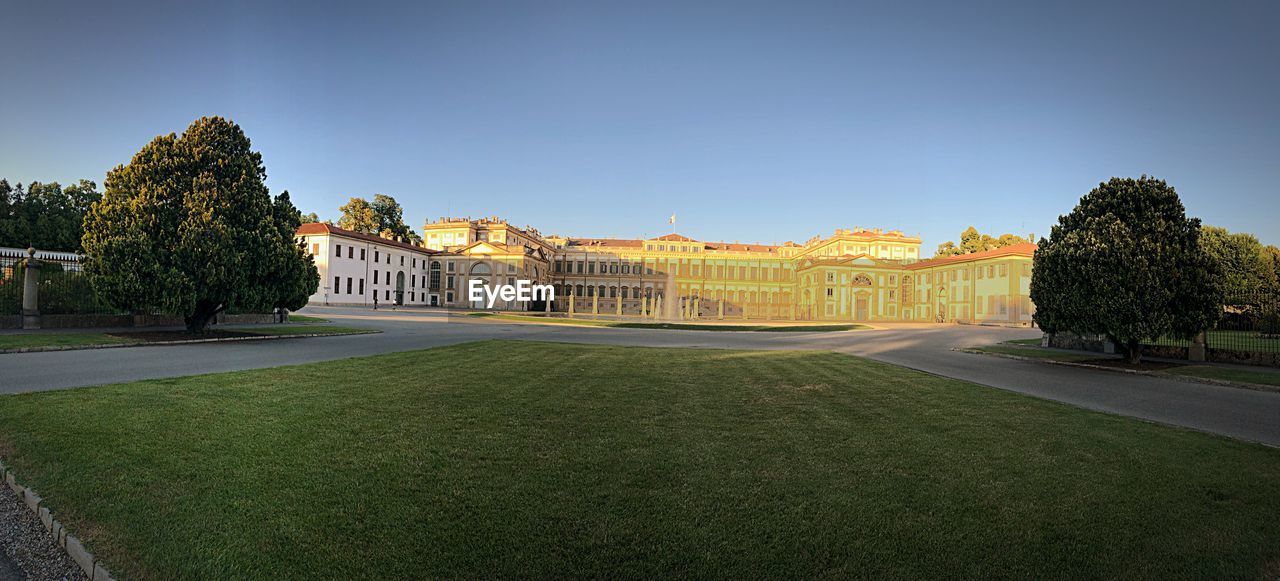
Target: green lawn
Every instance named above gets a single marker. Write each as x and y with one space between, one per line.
300 330
78 339
1038 352
306 319
514 459
1032 342
25 340
1229 374
678 326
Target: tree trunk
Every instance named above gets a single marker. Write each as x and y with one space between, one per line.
198 320
1134 356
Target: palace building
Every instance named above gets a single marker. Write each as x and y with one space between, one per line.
853 275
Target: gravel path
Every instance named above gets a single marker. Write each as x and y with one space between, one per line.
27 551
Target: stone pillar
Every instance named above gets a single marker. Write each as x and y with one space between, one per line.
618 300
595 304
1197 351
571 295
1046 340
546 306
31 292
720 310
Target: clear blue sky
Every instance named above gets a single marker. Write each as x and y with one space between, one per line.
750 121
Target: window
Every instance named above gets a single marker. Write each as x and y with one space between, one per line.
315 249
831 292
362 250
450 269
511 267
337 285
831 277
435 275
450 283
1004 271
448 297
362 286
559 266
375 277
377 256
348 285
401 260
337 250
591 268
351 252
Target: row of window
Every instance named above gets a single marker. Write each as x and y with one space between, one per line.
351 254
777 273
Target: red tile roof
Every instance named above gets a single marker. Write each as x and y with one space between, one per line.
322 228
1021 249
675 237
737 247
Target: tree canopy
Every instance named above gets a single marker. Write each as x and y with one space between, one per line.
1127 263
46 216
383 217
972 241
188 227
1246 266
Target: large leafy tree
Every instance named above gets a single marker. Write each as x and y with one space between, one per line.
383 216
1127 263
188 227
972 241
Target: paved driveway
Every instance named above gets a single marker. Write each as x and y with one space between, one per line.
1240 413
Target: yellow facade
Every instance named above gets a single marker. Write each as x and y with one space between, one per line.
853 275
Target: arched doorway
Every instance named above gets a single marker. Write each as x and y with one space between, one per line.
479 271
400 288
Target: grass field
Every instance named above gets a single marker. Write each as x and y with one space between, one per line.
27 340
143 335
515 459
301 330
676 326
1037 352
1260 377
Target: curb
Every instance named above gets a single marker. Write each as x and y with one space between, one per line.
93 569
1173 376
180 342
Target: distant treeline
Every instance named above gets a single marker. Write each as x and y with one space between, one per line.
47 216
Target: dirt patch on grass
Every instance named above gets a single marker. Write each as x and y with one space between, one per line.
1143 366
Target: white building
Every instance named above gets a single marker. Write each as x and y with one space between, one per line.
357 269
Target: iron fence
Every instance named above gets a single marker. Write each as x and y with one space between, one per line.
1250 323
10 283
63 287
